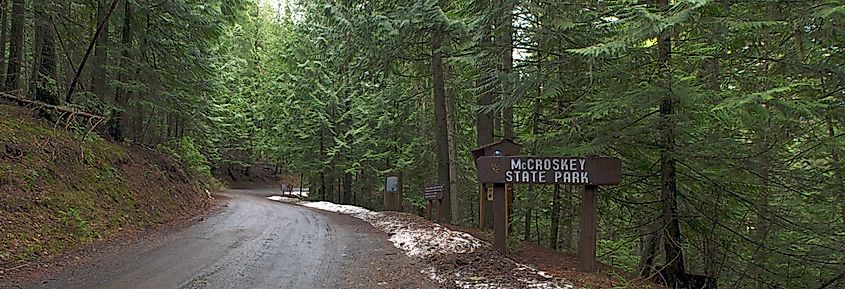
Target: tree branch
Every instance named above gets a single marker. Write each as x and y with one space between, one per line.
72 87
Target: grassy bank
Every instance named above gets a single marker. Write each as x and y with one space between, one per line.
58 191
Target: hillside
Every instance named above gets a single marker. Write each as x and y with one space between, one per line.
59 191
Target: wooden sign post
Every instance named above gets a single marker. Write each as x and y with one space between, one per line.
431 194
587 171
393 192
589 224
500 218
504 147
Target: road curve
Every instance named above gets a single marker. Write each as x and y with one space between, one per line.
253 243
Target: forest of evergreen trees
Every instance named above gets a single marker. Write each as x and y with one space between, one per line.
728 115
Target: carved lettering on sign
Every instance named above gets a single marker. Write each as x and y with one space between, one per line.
550 170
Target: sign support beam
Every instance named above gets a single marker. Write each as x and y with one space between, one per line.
588 224
485 212
500 222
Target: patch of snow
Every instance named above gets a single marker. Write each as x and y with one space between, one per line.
545 284
354 211
540 283
431 273
472 285
284 199
301 192
544 274
425 241
415 242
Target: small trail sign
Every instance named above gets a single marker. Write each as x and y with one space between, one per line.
433 192
391 184
393 192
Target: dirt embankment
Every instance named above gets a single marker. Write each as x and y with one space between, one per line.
58 191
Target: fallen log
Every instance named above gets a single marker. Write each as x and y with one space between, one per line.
50 106
70 113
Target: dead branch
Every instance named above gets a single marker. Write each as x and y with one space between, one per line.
100 27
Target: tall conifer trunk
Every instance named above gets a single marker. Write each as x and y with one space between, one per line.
761 226
47 62
507 66
16 43
35 64
838 172
648 251
440 125
4 37
555 219
99 79
322 190
484 120
506 25
118 123
675 272
452 143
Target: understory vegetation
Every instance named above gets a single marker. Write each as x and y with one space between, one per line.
727 115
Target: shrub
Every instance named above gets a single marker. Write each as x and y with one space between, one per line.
187 153
192 158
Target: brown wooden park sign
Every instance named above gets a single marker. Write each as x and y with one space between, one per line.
590 171
549 170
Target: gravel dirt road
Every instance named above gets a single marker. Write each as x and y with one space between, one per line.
251 243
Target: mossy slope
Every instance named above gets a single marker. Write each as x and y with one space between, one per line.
57 191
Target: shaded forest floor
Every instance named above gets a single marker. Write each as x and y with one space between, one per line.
60 191
253 176
563 265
